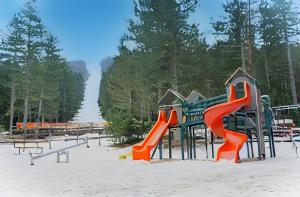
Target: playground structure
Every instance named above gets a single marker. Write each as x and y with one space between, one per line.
240 116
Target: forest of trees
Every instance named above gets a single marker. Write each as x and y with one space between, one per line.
163 50
36 82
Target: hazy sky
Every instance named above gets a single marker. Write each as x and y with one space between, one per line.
90 30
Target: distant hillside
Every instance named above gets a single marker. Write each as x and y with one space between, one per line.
106 63
79 66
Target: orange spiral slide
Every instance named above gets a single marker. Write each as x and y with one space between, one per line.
142 150
213 118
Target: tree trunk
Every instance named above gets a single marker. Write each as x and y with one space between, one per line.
243 57
64 104
40 110
250 44
267 71
175 81
159 95
12 105
26 103
291 71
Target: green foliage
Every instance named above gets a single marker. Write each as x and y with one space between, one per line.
45 87
124 127
119 125
166 49
163 50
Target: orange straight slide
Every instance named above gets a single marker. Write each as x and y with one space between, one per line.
142 150
213 118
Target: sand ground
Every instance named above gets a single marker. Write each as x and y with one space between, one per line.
97 171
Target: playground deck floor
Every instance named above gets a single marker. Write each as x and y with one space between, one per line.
99 172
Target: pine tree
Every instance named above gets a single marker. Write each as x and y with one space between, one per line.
288 19
232 29
161 28
12 52
31 30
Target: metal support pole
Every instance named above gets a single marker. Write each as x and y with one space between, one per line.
251 145
57 157
153 153
170 144
212 145
258 145
24 145
160 149
270 144
206 142
273 144
99 140
182 141
77 136
248 152
31 159
67 157
191 143
187 143
49 141
194 143
87 142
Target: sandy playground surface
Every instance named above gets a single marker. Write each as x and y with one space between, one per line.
97 171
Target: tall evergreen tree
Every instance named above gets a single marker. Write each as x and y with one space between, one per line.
232 29
31 30
12 53
288 19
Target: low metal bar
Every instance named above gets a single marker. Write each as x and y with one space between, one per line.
59 150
